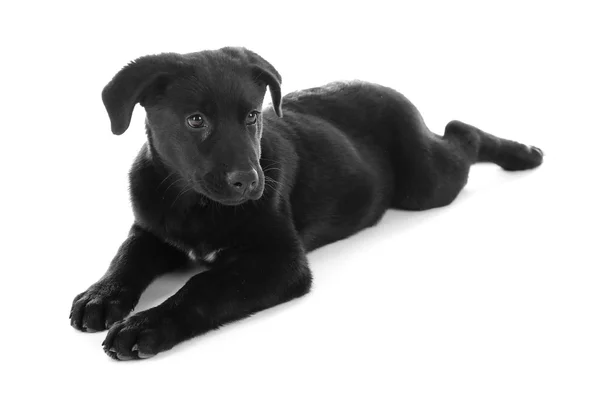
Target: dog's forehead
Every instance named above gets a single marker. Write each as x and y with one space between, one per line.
220 78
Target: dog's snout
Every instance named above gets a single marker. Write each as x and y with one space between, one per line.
242 181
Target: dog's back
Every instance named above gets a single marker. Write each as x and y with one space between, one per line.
365 148
341 171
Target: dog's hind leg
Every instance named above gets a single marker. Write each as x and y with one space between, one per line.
483 147
436 173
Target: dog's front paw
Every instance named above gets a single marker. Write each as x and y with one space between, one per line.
141 336
99 307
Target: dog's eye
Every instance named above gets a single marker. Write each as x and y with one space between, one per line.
195 121
252 117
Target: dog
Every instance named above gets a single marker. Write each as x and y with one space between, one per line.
249 191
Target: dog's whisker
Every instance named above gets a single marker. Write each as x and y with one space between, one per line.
273 166
174 182
183 192
273 188
281 176
269 179
165 179
270 160
271 169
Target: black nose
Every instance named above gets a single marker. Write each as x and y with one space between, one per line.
241 181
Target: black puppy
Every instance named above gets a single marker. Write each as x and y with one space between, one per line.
251 193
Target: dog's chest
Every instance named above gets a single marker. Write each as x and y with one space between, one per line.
183 220
197 232
204 254
194 237
188 227
204 233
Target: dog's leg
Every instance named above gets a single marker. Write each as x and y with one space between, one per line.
479 146
258 279
140 259
434 174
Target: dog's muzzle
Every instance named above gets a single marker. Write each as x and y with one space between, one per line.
235 187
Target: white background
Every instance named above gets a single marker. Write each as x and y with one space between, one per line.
494 296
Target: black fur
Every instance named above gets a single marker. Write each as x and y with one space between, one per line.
341 155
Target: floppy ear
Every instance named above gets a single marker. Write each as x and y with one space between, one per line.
273 80
265 72
128 86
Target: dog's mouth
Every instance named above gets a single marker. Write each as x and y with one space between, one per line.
228 198
231 202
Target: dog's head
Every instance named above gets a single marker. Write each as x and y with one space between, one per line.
204 118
